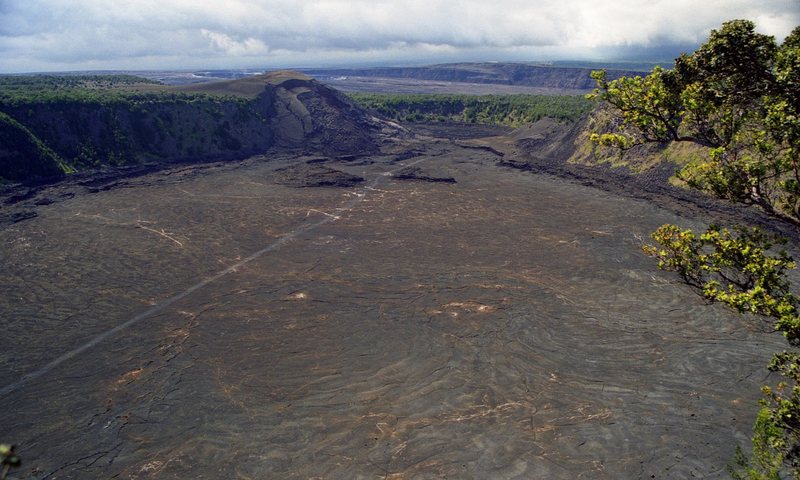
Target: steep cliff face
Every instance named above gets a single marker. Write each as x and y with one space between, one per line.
554 145
88 133
23 155
275 111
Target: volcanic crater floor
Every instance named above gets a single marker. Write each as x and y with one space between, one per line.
223 324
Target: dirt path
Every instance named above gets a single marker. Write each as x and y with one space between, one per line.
503 326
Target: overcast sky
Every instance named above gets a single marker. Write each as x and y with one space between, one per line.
53 35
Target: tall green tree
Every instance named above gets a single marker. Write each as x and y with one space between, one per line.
738 96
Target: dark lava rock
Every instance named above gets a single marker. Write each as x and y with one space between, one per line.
25 215
471 330
315 175
407 155
458 130
415 173
24 195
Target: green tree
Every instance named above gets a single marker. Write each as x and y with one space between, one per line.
743 270
8 459
738 96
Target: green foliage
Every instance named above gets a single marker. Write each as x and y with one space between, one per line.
28 83
766 461
133 99
737 95
649 107
508 110
51 125
742 270
776 432
781 433
8 459
739 269
20 90
23 155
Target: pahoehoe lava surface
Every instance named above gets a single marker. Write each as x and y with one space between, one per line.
503 326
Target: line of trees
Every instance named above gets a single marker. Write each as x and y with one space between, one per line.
53 125
56 82
17 91
507 110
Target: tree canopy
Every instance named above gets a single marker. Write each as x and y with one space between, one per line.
738 95
509 110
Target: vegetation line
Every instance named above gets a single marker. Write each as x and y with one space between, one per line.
507 110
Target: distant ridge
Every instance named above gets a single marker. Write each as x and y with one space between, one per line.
519 74
53 131
249 86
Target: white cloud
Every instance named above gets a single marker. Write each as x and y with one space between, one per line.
53 34
223 43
